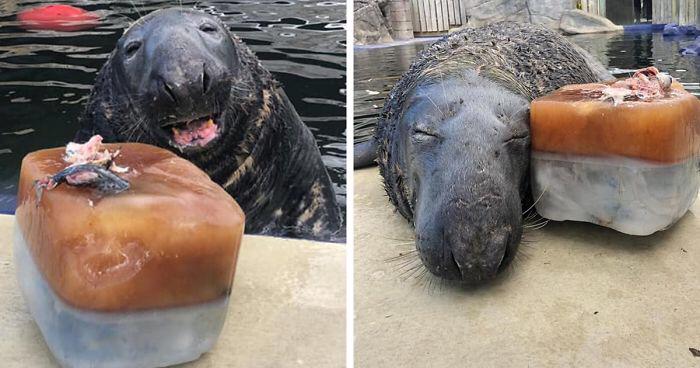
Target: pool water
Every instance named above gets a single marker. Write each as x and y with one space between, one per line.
46 76
377 69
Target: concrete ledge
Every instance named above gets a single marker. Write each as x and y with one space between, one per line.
578 295
287 308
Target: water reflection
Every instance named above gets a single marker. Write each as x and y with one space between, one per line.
377 69
45 76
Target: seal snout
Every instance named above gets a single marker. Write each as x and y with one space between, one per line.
468 244
184 86
477 258
192 119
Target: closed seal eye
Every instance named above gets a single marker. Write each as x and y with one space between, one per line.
208 28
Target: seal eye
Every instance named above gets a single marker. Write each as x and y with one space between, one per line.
208 28
132 47
424 134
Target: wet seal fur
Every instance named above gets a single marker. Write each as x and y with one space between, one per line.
176 65
453 142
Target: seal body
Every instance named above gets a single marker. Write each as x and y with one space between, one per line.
453 143
178 79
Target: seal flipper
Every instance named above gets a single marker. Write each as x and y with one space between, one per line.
365 154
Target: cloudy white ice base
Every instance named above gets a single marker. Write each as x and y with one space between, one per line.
632 196
141 339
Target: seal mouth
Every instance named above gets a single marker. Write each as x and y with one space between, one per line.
193 134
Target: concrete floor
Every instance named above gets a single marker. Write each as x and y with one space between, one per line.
287 309
578 296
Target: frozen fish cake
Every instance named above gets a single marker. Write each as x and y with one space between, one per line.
135 276
621 154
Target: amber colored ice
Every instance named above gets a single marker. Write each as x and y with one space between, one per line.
665 130
171 240
629 164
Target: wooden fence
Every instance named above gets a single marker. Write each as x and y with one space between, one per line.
676 11
689 12
596 7
437 16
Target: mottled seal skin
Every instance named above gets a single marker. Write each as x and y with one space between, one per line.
176 65
453 142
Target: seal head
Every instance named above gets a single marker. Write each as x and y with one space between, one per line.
453 143
181 68
465 155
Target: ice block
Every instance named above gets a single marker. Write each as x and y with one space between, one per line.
621 154
140 278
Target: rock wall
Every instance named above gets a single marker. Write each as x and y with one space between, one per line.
549 12
480 12
369 27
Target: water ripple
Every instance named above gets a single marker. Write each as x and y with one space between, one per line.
46 76
377 68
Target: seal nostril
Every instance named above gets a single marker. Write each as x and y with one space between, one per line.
206 81
168 91
454 262
505 260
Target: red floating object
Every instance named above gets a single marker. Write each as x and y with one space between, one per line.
57 18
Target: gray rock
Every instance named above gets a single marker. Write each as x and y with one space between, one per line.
577 21
357 4
370 25
481 12
547 12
